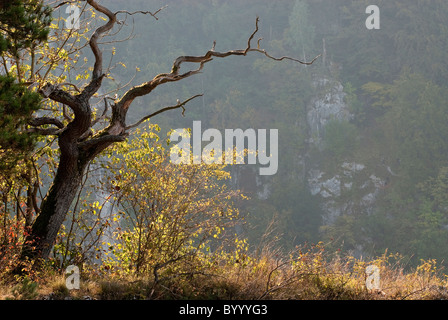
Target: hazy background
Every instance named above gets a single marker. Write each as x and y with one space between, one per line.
363 161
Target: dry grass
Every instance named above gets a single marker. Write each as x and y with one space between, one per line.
309 275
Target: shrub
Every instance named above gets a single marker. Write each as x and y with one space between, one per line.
171 214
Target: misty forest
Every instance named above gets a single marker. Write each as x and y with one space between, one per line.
91 91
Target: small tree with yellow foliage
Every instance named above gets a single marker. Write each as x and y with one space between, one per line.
170 213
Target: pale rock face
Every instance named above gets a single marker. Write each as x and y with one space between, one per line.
351 167
314 181
351 187
328 105
331 187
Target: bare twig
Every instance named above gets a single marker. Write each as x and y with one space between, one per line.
162 265
103 115
154 15
178 105
63 3
270 289
70 84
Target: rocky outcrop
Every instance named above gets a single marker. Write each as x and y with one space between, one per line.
348 187
328 104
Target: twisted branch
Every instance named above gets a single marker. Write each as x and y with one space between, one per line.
46 120
123 104
97 73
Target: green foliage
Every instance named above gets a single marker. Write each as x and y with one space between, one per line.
340 139
23 23
17 105
405 134
355 105
293 216
300 34
27 290
431 218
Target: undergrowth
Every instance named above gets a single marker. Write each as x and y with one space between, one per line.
305 274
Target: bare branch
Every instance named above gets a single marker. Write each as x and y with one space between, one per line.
282 58
174 75
46 120
105 138
70 84
252 35
154 15
56 94
46 132
89 131
63 3
103 115
97 74
86 134
178 105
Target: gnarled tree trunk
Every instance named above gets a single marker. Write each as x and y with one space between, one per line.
74 159
53 210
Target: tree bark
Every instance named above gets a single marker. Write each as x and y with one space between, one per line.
53 210
74 159
65 185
